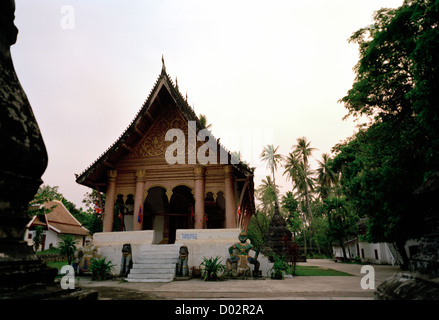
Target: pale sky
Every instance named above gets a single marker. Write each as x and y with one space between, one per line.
261 71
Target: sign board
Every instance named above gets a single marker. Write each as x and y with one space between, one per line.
188 236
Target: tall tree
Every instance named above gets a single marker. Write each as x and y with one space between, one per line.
291 205
44 194
396 85
203 120
342 222
304 151
273 159
326 177
266 194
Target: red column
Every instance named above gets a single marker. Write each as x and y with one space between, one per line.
139 198
199 196
229 194
109 201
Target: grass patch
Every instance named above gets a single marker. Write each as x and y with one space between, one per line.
315 271
57 264
49 251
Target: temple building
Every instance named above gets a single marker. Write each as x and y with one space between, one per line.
167 172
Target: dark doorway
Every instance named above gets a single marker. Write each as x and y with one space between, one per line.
156 204
181 208
214 211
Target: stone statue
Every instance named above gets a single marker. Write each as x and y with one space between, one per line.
238 263
85 254
182 267
126 262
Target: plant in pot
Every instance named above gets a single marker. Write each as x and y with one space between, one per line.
211 269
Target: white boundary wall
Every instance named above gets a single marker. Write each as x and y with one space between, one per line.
200 242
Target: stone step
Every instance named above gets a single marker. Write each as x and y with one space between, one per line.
155 260
158 255
149 280
152 270
156 263
150 276
153 265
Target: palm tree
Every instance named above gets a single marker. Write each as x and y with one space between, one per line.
266 193
270 155
326 178
298 169
67 247
299 174
292 169
203 120
304 151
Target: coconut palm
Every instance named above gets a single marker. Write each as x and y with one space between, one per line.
326 178
272 158
304 151
298 170
203 120
302 181
266 194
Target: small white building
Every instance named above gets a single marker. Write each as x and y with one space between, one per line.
57 223
375 253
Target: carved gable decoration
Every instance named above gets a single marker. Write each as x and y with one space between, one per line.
154 143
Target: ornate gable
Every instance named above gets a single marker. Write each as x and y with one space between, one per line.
154 143
164 109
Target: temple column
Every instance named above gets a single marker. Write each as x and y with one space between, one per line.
109 201
199 196
229 194
139 198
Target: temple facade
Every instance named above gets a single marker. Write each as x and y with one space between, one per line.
167 172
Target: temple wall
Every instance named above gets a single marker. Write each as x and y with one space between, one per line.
210 243
110 244
200 242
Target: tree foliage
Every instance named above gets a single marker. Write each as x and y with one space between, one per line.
38 237
89 219
67 247
396 86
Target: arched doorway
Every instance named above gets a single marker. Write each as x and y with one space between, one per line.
166 217
155 209
214 210
181 210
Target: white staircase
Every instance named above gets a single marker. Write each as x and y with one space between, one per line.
156 263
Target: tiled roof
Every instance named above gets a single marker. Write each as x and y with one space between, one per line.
61 220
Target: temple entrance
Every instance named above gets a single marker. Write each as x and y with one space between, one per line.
166 217
155 208
181 211
214 209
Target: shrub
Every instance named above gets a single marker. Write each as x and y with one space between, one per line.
212 269
279 266
67 247
101 268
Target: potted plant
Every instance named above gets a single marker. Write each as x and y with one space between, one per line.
212 267
196 272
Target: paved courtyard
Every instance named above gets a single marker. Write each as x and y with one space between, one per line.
296 288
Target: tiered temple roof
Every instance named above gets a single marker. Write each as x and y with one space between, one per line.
164 93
